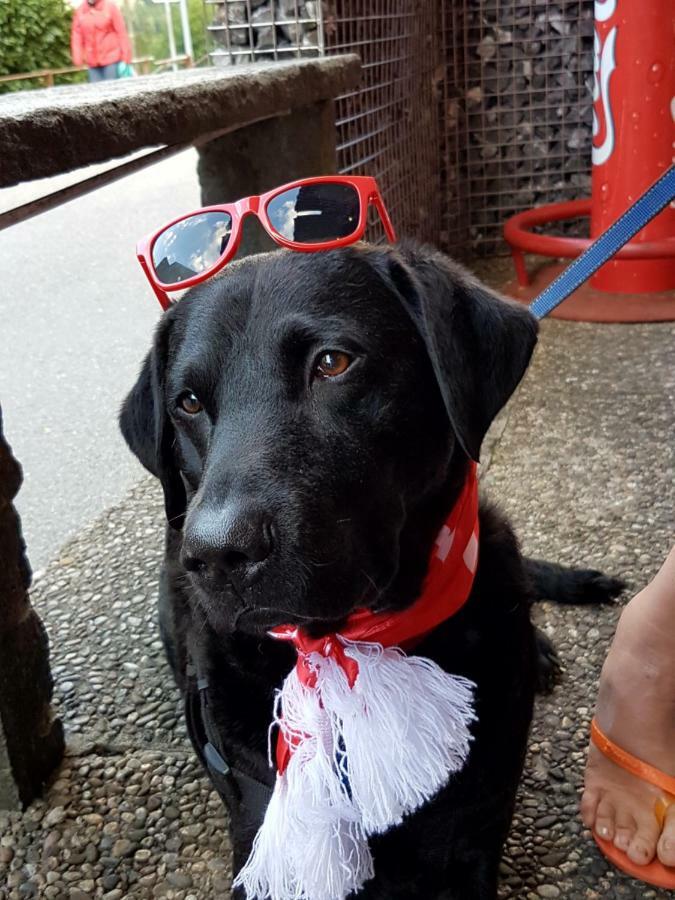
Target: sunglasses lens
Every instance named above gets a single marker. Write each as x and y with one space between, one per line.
191 246
315 213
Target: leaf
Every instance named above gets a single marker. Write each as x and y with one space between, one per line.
34 34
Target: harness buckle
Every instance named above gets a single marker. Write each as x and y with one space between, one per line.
214 760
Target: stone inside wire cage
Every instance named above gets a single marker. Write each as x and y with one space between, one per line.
244 31
517 112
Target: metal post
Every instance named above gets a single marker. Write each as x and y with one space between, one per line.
185 25
170 32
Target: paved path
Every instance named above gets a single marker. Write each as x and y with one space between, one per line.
76 315
584 464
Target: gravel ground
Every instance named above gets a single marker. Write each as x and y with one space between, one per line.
583 462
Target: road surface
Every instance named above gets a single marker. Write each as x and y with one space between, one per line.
76 317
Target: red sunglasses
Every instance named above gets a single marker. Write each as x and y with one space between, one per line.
306 215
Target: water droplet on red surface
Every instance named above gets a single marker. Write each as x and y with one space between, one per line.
655 73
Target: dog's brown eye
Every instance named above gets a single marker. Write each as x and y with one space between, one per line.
332 363
190 403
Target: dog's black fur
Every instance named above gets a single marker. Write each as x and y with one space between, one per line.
295 499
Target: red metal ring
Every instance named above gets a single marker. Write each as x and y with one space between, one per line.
518 235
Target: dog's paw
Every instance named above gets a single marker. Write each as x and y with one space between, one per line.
592 586
562 584
548 665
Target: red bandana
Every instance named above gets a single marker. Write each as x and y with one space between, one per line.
446 589
367 734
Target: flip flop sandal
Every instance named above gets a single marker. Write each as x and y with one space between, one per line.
655 872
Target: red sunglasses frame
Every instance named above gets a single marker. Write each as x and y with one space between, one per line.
365 186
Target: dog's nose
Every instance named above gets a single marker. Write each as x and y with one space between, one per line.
234 540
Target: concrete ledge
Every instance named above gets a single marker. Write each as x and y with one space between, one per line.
55 130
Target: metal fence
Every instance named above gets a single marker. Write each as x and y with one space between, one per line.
246 30
389 127
468 110
518 111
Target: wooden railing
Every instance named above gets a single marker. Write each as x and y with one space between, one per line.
187 62
144 65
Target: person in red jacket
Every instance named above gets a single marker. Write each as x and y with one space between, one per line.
99 38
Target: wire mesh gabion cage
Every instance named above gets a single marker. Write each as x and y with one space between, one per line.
243 31
389 127
518 112
468 110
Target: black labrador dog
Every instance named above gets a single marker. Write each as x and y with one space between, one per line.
311 418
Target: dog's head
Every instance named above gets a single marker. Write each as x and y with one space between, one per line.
310 418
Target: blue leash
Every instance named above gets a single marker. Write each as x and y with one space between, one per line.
650 204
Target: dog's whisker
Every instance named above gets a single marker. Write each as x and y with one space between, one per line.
308 563
370 579
287 612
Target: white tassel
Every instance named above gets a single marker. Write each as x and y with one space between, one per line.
363 757
405 727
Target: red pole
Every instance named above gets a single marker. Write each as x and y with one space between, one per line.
633 130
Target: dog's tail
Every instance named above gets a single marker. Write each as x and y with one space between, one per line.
563 584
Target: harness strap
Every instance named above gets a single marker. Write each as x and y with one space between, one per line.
237 789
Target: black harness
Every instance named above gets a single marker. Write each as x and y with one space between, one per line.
238 790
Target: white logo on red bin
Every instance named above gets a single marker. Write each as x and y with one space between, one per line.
604 63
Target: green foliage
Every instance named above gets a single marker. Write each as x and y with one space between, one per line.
197 14
34 34
147 28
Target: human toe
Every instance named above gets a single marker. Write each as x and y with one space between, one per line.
605 819
624 830
642 847
666 846
589 806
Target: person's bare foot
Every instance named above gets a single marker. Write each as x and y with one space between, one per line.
636 710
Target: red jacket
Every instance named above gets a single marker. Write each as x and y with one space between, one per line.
98 36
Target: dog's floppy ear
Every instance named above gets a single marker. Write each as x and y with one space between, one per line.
479 345
148 431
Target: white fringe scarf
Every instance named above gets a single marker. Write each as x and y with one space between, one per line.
367 734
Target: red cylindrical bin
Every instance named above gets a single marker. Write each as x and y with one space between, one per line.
633 130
